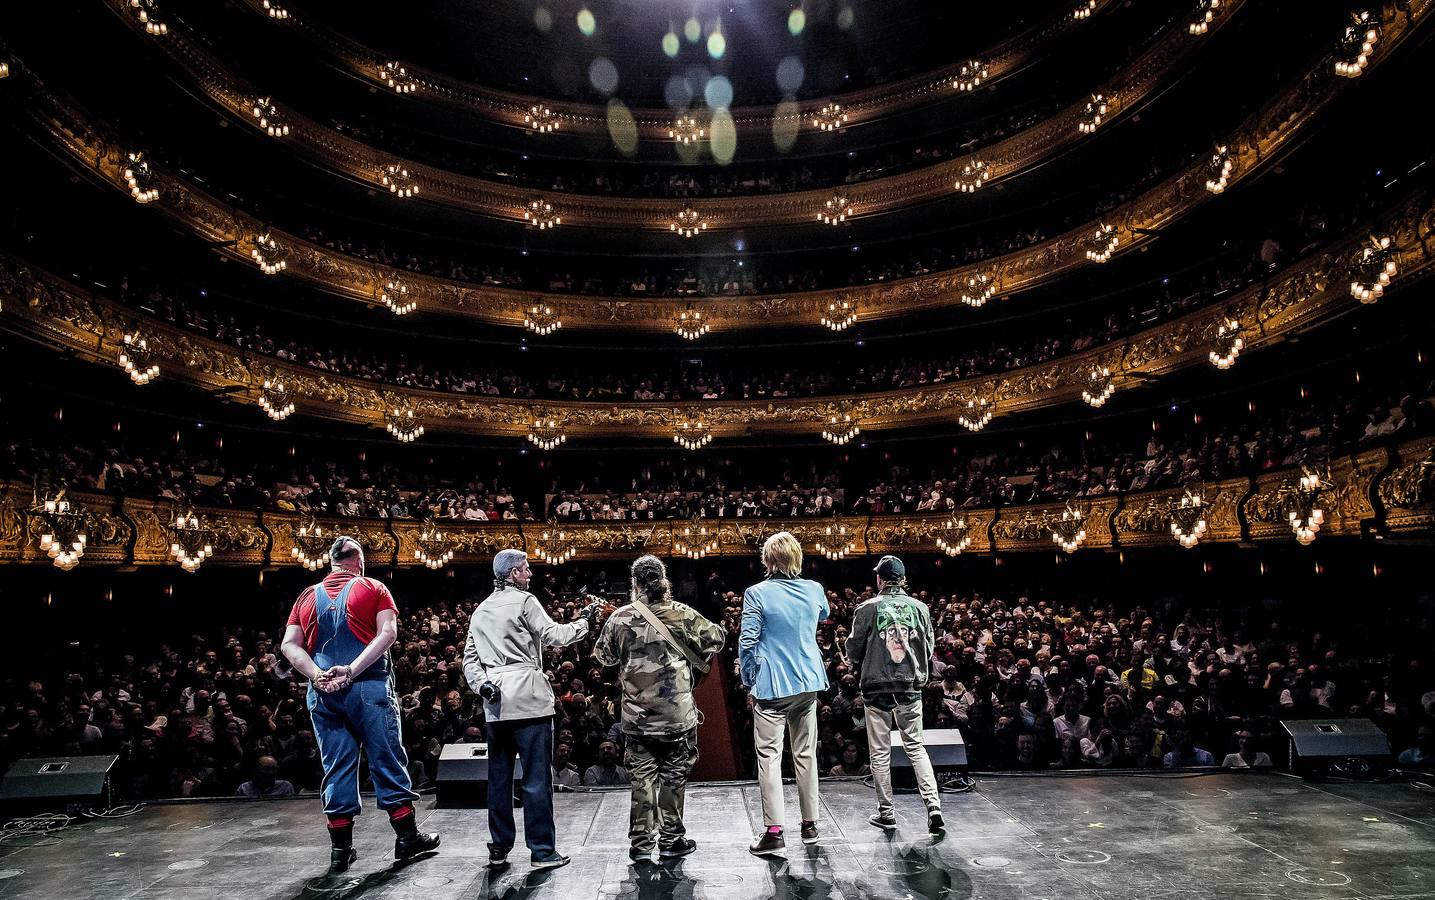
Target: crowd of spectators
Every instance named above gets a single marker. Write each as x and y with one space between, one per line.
1176 294
1286 435
1032 683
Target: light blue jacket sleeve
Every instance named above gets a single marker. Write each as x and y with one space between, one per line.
748 637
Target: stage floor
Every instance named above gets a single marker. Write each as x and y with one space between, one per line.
1218 836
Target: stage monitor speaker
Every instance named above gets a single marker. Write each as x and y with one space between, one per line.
463 776
944 748
54 782
1318 741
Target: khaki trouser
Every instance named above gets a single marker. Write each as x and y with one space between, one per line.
906 718
797 715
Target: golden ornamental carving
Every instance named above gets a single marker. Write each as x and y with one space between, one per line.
518 111
1004 159
1300 296
1252 147
242 538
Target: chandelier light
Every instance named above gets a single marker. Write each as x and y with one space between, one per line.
397 77
1303 508
978 289
275 10
1084 10
1360 38
541 119
4 69
539 213
1102 243
972 73
311 545
977 414
1188 520
270 119
555 547
62 535
541 319
688 222
275 400
686 130
1069 531
690 325
404 424
1220 168
432 548
147 11
1205 13
1374 267
829 118
835 210
191 539
695 541
394 293
271 257
140 179
545 434
137 359
840 315
1093 115
692 433
974 174
1229 344
836 542
841 428
1099 387
955 536
398 180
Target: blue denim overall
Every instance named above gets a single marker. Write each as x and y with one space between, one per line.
366 712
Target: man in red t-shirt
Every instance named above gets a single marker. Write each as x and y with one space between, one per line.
338 636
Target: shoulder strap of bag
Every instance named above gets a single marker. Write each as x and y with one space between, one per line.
651 618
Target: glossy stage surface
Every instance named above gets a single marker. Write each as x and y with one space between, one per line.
1221 836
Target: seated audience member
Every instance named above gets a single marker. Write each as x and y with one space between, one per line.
1246 755
266 783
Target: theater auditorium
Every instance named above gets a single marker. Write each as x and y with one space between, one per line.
717 449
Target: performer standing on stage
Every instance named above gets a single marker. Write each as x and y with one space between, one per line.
664 647
338 636
890 647
503 663
781 665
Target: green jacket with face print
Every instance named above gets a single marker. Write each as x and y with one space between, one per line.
890 646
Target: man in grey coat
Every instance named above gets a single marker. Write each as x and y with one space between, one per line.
503 663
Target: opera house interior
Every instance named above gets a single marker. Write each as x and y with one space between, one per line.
1092 334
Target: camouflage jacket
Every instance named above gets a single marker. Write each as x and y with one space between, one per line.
657 680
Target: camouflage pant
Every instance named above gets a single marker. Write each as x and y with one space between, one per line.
659 770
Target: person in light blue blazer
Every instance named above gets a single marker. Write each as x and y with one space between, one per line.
781 666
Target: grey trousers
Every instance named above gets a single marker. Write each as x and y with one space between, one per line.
797 716
906 719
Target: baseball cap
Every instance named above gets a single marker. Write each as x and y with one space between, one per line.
890 567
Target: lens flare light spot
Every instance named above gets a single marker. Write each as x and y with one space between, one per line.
670 44
786 120
724 136
543 19
603 75
796 21
718 92
622 128
790 73
692 30
586 22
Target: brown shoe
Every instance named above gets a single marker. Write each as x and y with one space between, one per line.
769 844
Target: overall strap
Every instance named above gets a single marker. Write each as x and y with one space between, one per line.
648 615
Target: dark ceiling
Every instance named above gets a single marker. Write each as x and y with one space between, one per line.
539 47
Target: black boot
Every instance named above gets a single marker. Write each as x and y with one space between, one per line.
340 858
407 846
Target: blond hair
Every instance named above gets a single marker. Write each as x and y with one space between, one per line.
782 555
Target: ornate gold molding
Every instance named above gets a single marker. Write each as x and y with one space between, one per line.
1115 521
1251 147
1302 295
1004 159
508 108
